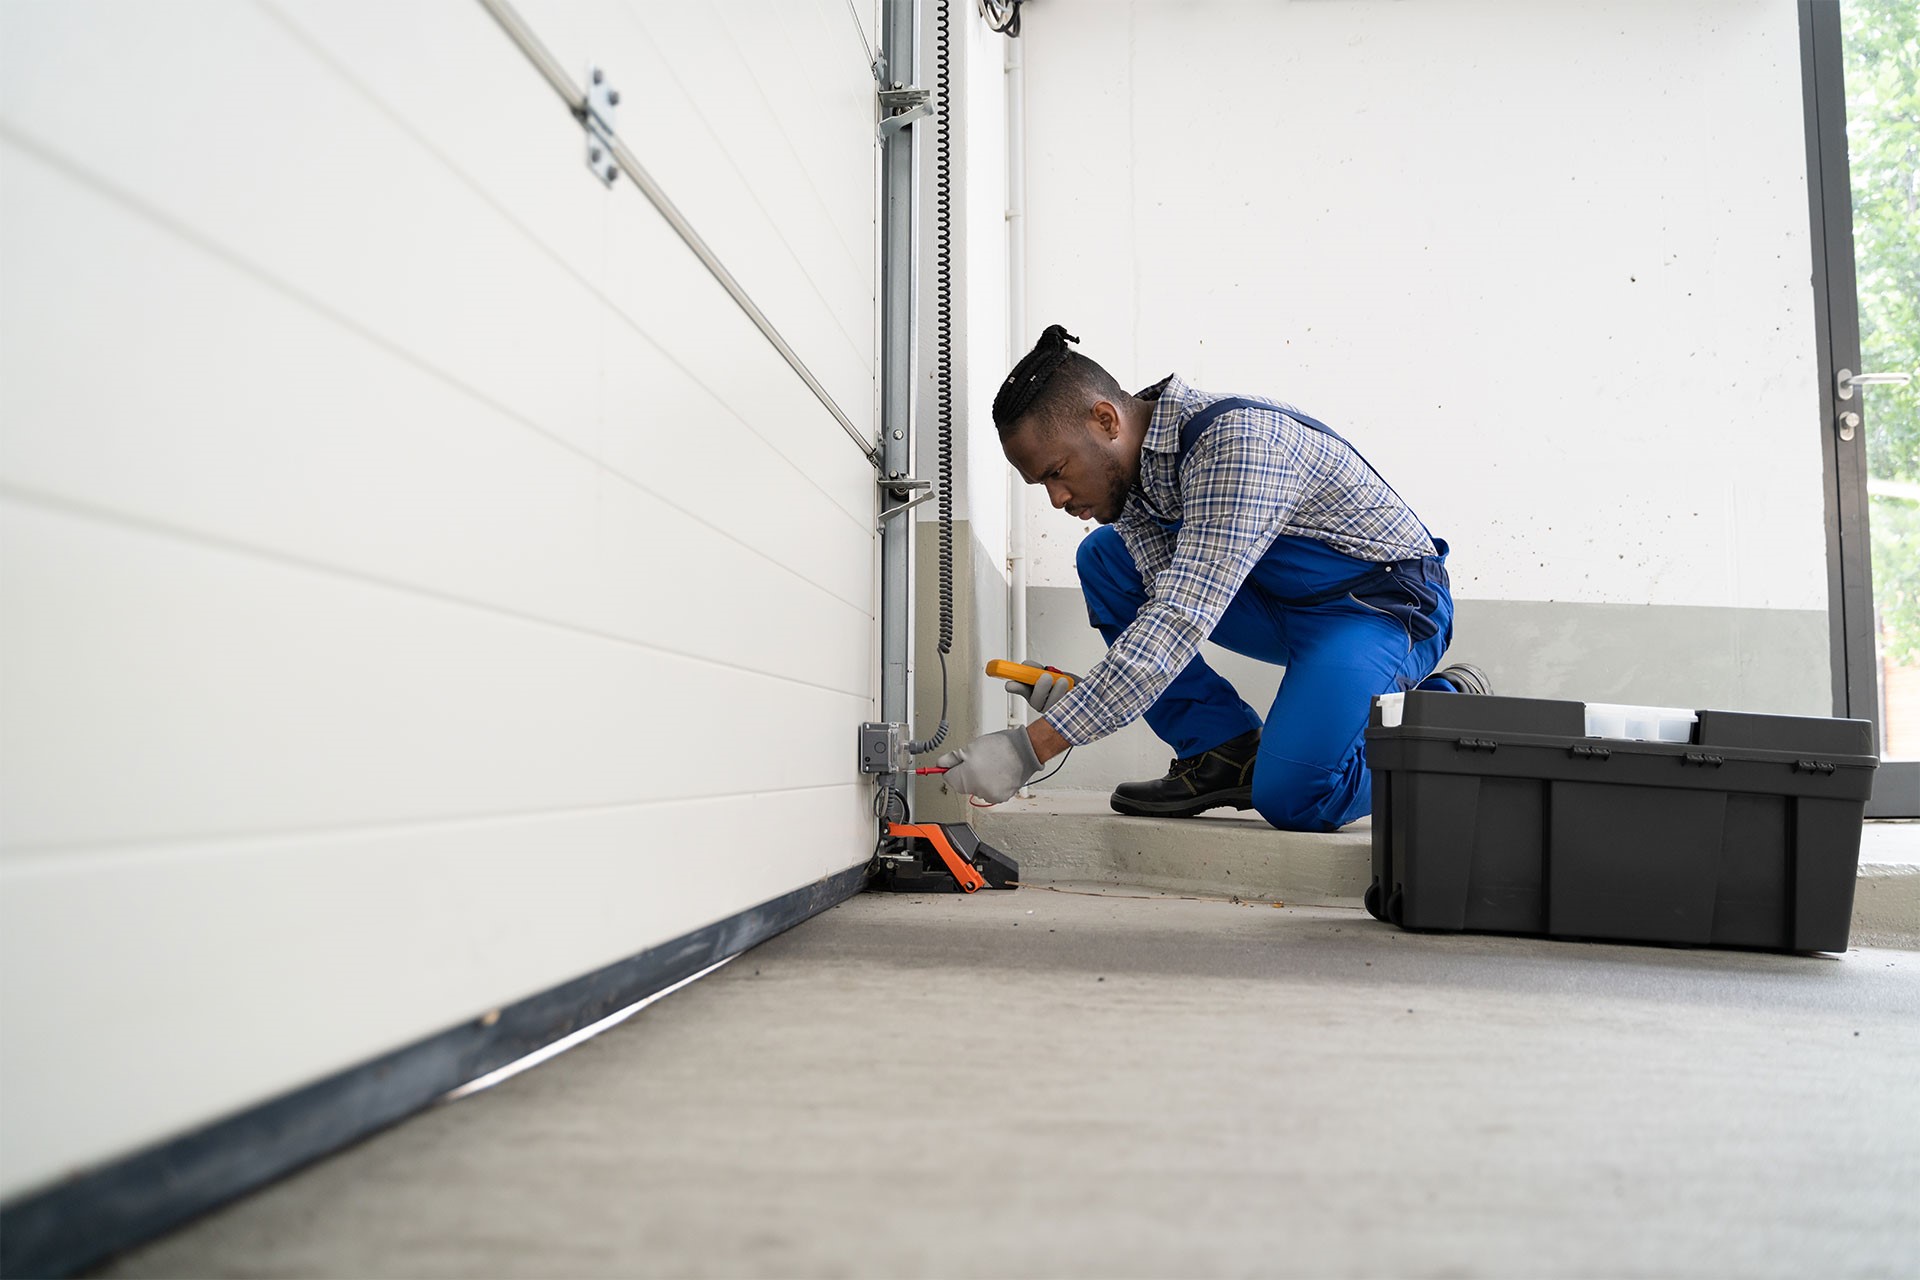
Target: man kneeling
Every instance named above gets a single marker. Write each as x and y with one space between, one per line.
1233 519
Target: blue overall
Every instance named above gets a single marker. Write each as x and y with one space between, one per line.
1345 629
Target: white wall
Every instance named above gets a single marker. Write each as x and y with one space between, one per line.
1547 264
419 584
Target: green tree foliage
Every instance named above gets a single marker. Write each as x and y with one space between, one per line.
1882 43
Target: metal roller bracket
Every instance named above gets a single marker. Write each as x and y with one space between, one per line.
900 487
900 107
596 117
891 512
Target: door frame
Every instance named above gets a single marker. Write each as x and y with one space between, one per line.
1856 676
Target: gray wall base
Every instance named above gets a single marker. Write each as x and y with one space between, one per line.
975 705
1671 655
1073 837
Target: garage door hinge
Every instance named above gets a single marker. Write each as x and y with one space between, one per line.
900 107
596 117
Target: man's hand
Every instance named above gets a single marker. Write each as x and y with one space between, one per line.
991 767
1043 693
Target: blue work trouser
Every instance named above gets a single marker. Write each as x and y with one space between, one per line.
1339 653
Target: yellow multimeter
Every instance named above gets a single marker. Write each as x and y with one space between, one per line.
1001 669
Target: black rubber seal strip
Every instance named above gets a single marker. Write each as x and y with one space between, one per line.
80 1222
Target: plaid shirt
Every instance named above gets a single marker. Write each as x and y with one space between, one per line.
1253 475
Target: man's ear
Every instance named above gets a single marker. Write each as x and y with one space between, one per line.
1106 419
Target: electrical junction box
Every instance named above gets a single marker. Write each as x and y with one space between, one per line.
1709 828
883 748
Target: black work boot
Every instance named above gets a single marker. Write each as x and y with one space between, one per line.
1195 784
1461 677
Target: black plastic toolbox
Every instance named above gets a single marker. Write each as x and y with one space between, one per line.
1503 815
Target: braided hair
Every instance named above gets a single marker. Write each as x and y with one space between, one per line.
1050 379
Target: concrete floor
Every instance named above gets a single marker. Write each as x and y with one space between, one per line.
1053 1083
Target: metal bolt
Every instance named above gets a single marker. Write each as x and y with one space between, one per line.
596 75
612 173
593 154
613 97
899 435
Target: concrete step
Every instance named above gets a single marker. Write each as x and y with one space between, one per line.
1075 836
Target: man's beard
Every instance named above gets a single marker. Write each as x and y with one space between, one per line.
1114 500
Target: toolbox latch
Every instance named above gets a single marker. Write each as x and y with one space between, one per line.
1585 752
1813 766
1705 759
1479 744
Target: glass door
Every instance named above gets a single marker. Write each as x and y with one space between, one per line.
1862 66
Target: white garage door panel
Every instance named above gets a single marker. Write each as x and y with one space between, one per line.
796 55
777 216
325 446
330 949
420 584
865 12
211 691
730 168
379 229
808 81
722 349
811 70
420 63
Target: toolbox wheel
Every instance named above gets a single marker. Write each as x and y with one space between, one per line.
1394 907
1371 898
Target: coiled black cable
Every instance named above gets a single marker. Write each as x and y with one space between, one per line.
943 274
1002 15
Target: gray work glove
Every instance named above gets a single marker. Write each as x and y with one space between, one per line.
1045 693
992 767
